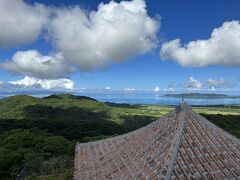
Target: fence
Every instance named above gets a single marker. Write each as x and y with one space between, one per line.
44 169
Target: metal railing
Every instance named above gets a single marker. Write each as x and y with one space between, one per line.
44 169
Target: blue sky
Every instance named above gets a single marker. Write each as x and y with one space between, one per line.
186 20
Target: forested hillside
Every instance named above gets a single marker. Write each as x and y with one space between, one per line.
35 130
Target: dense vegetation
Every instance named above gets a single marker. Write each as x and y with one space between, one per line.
229 123
201 95
34 130
218 109
30 146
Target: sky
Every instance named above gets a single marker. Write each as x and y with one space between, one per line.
156 46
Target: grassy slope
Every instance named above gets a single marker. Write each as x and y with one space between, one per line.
226 117
19 107
224 110
76 117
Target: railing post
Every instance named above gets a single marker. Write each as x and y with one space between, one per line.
18 176
44 169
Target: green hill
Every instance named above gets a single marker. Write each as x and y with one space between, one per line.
33 130
74 117
68 96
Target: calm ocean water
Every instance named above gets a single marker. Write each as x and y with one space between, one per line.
157 99
142 98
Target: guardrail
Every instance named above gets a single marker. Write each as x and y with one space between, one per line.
45 169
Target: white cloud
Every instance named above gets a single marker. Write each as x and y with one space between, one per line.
81 39
222 48
47 84
193 83
220 83
213 83
213 89
107 88
10 87
113 33
32 63
129 89
157 89
169 89
20 23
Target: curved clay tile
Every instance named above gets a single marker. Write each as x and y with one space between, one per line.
180 145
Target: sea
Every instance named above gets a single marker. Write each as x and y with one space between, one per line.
137 98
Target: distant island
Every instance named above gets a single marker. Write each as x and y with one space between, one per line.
201 96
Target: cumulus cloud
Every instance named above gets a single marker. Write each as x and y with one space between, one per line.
129 89
107 88
32 63
48 84
213 83
84 39
157 89
193 83
113 33
222 48
5 86
219 83
213 89
169 89
20 22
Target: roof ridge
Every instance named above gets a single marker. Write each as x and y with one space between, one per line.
174 147
181 144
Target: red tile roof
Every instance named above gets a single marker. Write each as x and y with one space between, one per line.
180 145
